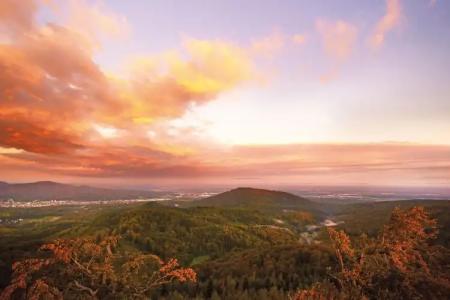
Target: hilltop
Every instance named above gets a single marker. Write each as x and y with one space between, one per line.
260 199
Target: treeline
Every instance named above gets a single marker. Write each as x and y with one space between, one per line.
234 254
271 273
196 234
400 262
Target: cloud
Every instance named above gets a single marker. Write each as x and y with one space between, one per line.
299 39
214 67
378 163
38 101
338 38
333 164
32 137
16 16
388 22
330 76
61 114
268 45
93 20
164 87
55 97
104 161
45 97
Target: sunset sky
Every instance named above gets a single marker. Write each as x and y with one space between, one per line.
178 93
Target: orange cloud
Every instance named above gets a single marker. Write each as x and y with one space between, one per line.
55 97
34 138
338 38
330 164
47 98
389 21
16 16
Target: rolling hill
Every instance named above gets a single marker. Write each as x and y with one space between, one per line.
259 199
250 241
48 190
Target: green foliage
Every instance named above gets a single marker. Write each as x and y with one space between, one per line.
369 218
263 200
192 232
270 273
399 263
248 251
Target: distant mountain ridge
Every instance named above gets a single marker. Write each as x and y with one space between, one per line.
49 190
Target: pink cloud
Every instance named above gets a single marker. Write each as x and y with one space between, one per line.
331 164
268 45
338 38
388 22
299 39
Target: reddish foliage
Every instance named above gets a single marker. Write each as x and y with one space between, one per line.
406 235
396 264
171 269
40 289
93 269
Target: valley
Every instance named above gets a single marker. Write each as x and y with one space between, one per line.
255 242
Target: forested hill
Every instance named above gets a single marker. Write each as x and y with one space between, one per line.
48 190
258 245
260 199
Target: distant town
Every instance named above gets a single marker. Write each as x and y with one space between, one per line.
11 203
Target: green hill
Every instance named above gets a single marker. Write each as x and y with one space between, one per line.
259 199
190 234
244 244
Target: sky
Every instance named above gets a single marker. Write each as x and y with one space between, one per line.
198 93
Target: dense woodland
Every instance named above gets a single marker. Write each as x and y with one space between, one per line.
267 250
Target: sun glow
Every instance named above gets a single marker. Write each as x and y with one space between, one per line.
106 132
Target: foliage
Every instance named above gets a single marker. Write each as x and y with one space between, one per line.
400 263
86 269
369 218
236 252
263 200
190 233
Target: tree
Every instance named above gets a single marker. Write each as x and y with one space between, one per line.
400 263
93 269
215 295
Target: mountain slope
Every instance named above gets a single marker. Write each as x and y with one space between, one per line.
259 199
48 190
